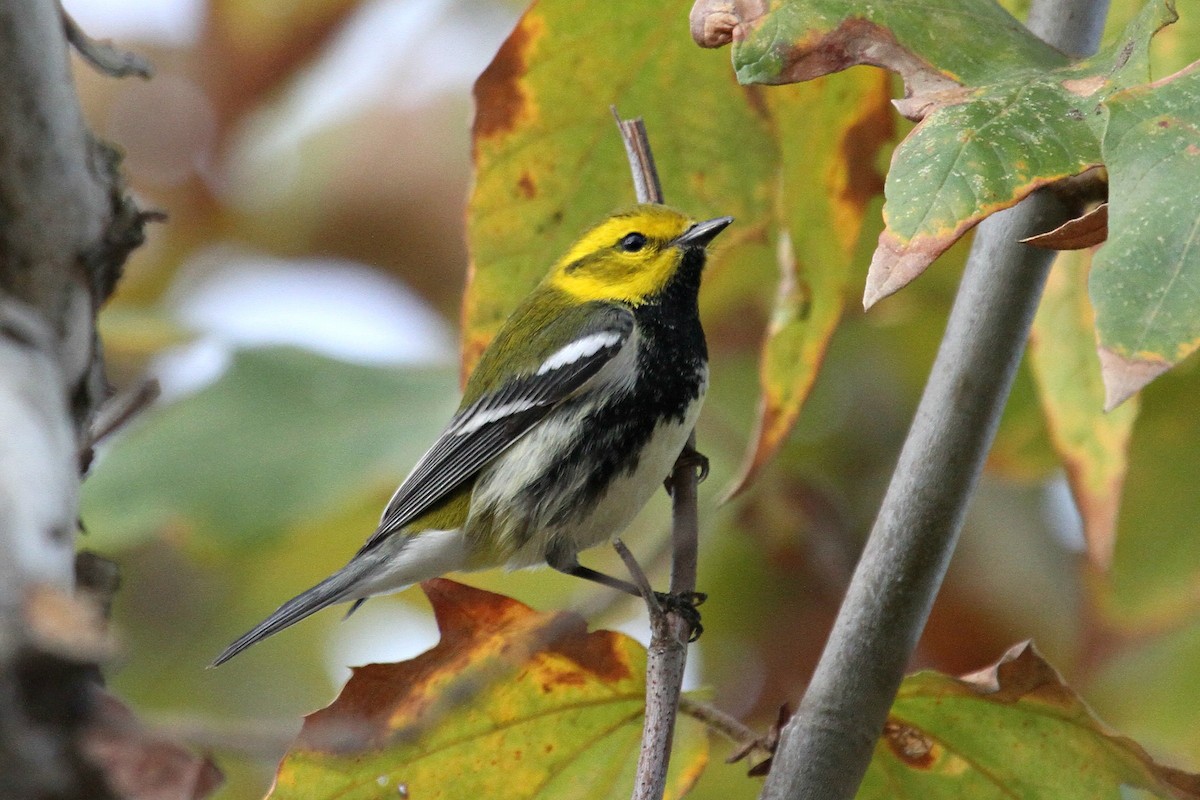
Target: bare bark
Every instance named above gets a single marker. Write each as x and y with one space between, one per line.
826 748
65 228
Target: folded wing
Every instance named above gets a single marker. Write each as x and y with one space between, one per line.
485 428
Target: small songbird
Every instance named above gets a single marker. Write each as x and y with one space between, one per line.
575 414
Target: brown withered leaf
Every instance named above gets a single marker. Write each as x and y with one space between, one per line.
509 699
1077 234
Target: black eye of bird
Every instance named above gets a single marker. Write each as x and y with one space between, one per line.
632 242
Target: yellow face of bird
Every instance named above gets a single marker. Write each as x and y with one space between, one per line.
627 258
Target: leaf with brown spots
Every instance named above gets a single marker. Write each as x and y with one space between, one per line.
549 162
511 703
991 129
829 136
1012 730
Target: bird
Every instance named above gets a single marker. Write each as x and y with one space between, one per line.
575 413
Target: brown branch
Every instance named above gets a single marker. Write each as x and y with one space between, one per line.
115 414
717 720
646 185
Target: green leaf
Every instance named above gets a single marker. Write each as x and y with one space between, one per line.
511 703
1021 450
1091 444
1146 280
969 160
828 182
931 44
1013 730
284 438
1156 566
996 123
1149 689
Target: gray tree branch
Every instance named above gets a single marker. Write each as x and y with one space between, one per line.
826 748
65 228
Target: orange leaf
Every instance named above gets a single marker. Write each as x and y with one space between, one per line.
511 703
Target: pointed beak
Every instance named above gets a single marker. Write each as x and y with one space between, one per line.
700 234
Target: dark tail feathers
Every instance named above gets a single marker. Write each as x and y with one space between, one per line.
334 589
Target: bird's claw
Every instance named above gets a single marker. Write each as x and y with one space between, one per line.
685 604
692 458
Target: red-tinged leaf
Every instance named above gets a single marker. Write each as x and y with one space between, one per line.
139 764
511 703
1012 730
1076 234
1091 443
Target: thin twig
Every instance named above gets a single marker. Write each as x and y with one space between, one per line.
670 631
637 573
826 748
729 727
685 524
641 161
104 56
120 409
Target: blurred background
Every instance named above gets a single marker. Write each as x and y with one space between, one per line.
301 309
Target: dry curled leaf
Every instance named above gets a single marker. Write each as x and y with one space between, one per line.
712 22
1080 233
